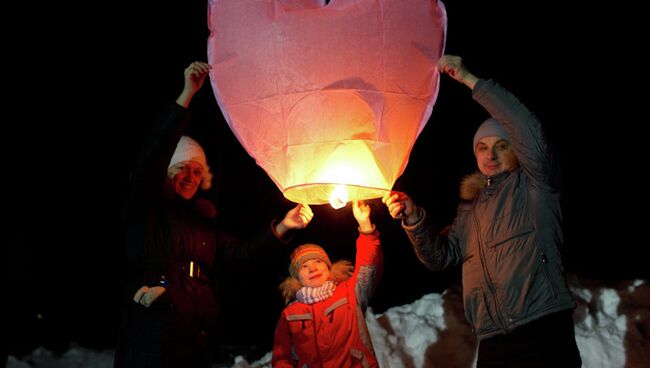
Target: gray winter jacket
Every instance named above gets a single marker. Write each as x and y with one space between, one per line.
507 235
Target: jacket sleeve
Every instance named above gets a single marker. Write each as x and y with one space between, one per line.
523 128
369 264
263 244
282 346
147 182
436 251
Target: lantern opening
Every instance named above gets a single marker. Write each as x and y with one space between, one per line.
324 192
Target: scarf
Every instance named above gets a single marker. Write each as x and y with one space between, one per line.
311 295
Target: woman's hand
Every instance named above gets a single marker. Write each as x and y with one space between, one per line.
147 295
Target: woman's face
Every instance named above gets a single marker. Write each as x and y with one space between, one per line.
494 155
188 179
313 273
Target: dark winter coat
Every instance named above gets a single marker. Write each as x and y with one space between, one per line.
175 243
507 234
333 332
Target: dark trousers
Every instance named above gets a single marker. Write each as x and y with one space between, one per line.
157 337
546 342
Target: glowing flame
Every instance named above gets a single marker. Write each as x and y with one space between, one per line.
339 196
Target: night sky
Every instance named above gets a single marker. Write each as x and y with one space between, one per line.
100 77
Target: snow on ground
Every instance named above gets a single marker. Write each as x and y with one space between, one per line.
612 330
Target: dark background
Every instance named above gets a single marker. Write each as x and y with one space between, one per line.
87 81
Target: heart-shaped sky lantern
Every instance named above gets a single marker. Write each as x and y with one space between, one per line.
328 99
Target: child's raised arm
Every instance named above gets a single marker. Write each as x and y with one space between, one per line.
361 212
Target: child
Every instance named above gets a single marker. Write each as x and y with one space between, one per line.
324 323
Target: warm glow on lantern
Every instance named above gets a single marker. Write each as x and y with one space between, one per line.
327 99
349 164
339 197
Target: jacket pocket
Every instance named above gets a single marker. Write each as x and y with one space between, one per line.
299 317
337 304
546 274
301 327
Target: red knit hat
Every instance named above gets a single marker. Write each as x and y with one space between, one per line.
304 253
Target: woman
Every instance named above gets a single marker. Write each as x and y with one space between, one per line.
174 245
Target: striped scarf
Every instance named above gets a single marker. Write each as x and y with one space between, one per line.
311 295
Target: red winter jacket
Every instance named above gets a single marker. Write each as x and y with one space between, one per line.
333 333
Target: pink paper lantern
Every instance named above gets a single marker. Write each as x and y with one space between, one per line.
327 99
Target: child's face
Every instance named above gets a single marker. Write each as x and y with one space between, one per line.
313 273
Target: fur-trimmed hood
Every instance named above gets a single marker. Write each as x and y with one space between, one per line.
200 205
205 208
471 185
340 271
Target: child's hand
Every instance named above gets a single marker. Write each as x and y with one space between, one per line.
361 212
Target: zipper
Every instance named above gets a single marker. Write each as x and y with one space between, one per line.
547 277
313 313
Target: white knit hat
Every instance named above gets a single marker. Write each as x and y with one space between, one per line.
490 127
188 149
